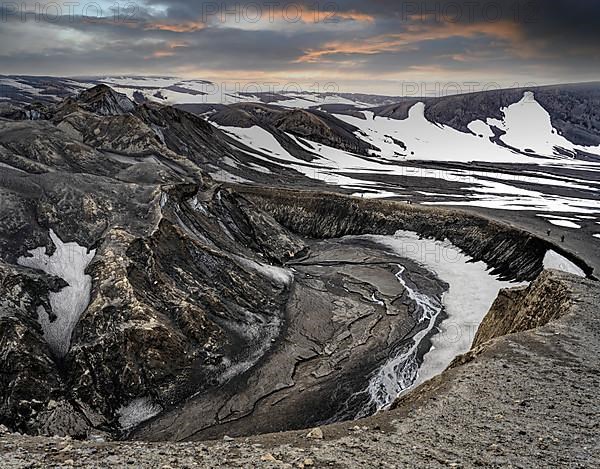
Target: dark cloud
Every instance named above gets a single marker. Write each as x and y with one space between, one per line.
555 40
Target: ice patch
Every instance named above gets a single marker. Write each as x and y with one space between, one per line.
469 297
481 129
554 260
375 194
198 206
137 411
68 262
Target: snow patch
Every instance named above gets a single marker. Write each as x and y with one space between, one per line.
376 300
198 206
554 260
564 223
425 140
482 188
481 129
68 262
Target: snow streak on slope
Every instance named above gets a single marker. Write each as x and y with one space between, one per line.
529 129
565 223
279 275
341 168
526 123
68 262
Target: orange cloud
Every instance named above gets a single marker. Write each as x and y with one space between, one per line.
168 52
183 27
414 34
297 14
162 53
352 15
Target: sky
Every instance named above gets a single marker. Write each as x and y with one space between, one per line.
377 46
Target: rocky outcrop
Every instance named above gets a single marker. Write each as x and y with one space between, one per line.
28 374
521 309
176 302
101 100
511 253
172 312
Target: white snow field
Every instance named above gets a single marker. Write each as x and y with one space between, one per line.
426 140
68 262
539 145
173 90
529 129
484 189
527 125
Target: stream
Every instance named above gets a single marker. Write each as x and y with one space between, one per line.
471 292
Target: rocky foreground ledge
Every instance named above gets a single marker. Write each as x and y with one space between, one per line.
526 395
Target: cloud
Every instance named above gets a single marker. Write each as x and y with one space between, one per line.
410 39
176 27
344 40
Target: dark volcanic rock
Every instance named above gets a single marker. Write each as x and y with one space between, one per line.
29 376
525 308
101 100
320 366
183 295
509 252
